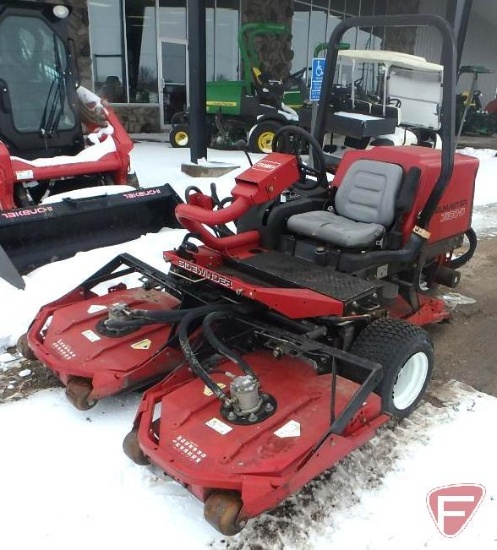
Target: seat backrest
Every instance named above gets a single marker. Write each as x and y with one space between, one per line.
368 192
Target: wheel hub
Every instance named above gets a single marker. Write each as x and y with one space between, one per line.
410 380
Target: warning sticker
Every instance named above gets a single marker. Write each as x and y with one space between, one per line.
24 174
90 335
208 391
290 429
96 308
142 344
219 426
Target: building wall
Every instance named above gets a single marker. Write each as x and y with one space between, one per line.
480 46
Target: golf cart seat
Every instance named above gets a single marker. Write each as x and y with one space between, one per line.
364 208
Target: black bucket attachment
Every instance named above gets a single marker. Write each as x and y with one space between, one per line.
38 235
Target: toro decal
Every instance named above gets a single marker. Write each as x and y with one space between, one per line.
266 165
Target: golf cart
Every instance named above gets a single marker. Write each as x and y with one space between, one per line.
382 98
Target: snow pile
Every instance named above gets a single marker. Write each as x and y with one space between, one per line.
65 481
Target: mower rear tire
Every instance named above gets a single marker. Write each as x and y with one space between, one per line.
78 391
24 349
132 449
261 136
180 136
222 510
406 353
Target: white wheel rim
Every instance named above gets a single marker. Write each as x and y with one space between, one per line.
410 380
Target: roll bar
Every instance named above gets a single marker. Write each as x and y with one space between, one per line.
448 61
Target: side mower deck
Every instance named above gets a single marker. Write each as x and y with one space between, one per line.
70 337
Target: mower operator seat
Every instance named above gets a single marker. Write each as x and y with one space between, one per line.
365 206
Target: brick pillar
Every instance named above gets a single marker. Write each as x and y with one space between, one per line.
79 32
402 39
275 52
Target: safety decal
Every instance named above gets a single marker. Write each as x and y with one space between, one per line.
219 426
142 344
208 391
96 308
90 335
290 429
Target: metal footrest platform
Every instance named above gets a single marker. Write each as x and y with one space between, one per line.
288 271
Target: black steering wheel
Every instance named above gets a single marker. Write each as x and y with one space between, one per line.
297 141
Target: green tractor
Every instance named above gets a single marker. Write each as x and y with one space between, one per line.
252 109
472 119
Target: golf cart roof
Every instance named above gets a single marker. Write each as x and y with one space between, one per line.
386 57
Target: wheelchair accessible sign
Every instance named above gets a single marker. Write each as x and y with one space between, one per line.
318 67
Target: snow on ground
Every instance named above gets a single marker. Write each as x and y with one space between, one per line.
65 482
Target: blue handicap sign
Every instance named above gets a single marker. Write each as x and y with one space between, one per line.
318 68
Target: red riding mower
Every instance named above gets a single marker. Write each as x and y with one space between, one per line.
290 341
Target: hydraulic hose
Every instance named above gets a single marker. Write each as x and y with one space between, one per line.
137 318
458 262
186 346
218 345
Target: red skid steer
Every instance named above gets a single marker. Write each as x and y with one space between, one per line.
57 137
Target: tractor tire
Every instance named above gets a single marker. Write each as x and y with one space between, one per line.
261 136
406 353
180 136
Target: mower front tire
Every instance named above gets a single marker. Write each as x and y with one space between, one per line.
180 136
24 349
132 449
222 510
406 353
78 393
261 136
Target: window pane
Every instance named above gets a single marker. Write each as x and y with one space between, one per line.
209 39
172 19
141 40
106 42
33 62
300 36
318 29
226 40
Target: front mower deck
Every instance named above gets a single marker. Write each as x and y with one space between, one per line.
197 445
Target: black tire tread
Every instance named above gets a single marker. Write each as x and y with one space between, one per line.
372 341
387 341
